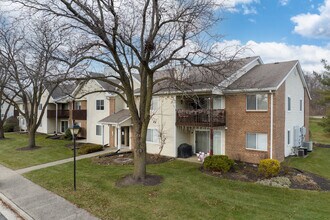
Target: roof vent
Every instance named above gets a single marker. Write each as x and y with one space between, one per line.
276 63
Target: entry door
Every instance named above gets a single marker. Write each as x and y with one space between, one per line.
217 142
202 139
125 136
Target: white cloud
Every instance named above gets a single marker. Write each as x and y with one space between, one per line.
284 2
249 10
232 5
309 55
314 25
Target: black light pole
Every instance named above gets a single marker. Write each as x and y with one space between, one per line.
74 131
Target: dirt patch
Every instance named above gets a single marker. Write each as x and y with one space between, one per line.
127 159
28 148
150 180
299 179
321 145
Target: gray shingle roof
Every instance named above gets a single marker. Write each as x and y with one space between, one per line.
116 118
263 76
63 90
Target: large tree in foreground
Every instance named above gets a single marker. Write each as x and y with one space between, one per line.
138 37
27 55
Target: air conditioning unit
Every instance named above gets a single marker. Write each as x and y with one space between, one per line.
308 145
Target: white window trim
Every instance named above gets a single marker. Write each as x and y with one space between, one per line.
247 148
99 105
255 110
152 142
100 130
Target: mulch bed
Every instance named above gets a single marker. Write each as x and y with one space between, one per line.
150 180
299 179
321 145
127 159
28 148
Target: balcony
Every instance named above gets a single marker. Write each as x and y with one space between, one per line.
60 114
79 114
201 118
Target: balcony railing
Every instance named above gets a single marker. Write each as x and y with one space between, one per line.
79 114
201 117
60 114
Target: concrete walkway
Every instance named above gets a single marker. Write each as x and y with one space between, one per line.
35 201
41 166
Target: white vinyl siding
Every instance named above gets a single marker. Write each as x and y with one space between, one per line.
152 136
98 130
256 141
257 102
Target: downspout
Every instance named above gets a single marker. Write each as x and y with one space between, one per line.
56 118
102 135
271 123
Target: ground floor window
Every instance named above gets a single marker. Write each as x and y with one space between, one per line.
256 141
64 126
98 130
152 136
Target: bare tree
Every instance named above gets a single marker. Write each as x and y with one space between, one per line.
28 56
139 37
4 106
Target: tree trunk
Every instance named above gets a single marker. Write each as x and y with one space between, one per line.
32 139
2 133
140 168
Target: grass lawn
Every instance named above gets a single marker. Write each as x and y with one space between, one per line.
186 193
318 135
51 150
318 161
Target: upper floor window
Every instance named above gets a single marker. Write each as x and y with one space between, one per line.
257 102
99 104
40 107
77 105
300 105
289 135
154 103
289 103
217 103
257 141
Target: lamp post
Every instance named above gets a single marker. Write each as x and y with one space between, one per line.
74 131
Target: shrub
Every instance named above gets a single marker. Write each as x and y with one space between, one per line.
269 167
67 134
11 124
218 163
89 148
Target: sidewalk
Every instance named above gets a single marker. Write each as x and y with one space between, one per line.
38 167
35 201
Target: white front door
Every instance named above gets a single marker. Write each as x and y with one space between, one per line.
202 139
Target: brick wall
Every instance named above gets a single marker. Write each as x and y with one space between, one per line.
279 124
239 122
112 106
306 112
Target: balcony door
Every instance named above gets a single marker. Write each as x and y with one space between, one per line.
202 140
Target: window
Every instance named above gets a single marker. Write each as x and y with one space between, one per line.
77 105
98 130
289 137
289 103
154 103
40 107
301 105
217 103
257 102
152 136
99 104
257 141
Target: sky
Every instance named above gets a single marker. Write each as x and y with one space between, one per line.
276 30
279 30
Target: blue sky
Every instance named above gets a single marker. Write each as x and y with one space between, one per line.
279 30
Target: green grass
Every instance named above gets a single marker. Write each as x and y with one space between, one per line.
318 161
186 193
318 134
51 150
